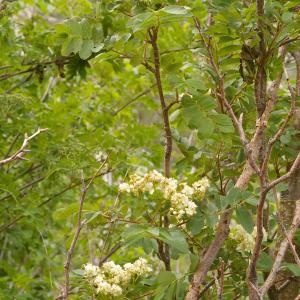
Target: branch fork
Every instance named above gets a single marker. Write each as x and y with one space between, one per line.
23 149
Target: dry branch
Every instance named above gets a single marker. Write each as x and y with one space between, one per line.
20 153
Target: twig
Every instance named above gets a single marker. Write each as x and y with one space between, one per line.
26 79
237 122
12 144
179 50
282 128
286 176
218 286
80 224
207 286
292 246
114 249
145 92
9 75
51 84
281 252
19 154
221 274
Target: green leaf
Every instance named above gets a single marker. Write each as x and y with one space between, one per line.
245 219
72 45
87 29
166 284
223 122
66 211
165 278
195 115
234 196
264 262
174 238
229 50
206 102
142 21
195 85
181 289
195 224
293 268
74 28
86 49
97 47
176 10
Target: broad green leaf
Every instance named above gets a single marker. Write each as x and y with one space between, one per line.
223 123
165 278
264 262
86 49
195 85
174 238
72 45
245 219
87 29
97 47
176 10
293 268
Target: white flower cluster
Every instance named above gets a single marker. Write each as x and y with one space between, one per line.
178 194
110 277
245 240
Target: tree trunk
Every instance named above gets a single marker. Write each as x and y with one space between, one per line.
287 285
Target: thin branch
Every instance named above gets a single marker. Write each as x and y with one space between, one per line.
19 154
206 288
237 122
286 176
51 84
145 92
218 286
281 252
9 75
112 251
292 246
282 128
80 224
179 50
12 144
26 79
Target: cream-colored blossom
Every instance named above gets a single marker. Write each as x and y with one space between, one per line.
200 187
180 195
91 270
245 240
124 187
110 278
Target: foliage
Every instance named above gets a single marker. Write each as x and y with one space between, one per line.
78 69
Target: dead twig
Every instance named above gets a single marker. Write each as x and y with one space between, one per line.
19 154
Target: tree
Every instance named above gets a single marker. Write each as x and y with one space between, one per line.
161 150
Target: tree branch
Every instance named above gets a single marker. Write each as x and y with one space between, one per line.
19 154
281 252
80 224
286 176
145 92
